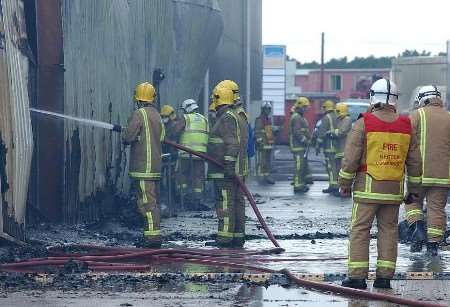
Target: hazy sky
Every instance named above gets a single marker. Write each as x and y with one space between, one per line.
356 27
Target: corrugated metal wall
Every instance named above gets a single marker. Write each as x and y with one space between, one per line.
229 62
110 46
15 125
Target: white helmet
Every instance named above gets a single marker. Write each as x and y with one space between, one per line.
383 91
189 105
266 104
426 93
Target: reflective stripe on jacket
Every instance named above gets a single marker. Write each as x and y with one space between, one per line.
366 189
432 126
145 132
195 133
299 134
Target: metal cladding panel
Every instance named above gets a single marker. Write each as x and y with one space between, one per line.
15 124
229 61
109 47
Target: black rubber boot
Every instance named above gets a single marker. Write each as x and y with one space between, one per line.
269 180
382 283
301 190
327 190
354 283
336 193
419 236
433 249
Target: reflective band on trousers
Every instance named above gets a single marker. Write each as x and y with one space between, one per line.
144 194
386 264
435 231
195 134
225 232
346 175
413 212
151 231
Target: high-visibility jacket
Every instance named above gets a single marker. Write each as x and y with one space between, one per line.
299 134
264 132
375 158
228 141
432 126
145 132
344 125
326 129
195 133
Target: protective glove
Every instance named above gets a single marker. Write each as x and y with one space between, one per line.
117 128
346 192
229 170
411 198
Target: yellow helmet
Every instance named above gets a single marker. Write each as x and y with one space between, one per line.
328 105
167 110
302 102
212 107
223 96
341 109
232 86
145 92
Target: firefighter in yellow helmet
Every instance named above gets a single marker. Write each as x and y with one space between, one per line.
144 133
380 148
228 145
299 138
327 142
343 127
264 143
192 129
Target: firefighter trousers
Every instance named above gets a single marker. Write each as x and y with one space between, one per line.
332 171
230 208
361 223
191 178
436 217
263 160
301 170
148 206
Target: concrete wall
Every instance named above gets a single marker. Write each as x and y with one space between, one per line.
409 73
16 142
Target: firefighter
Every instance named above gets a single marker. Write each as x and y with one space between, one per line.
228 145
169 117
144 133
299 138
327 141
378 148
431 123
264 143
343 127
192 129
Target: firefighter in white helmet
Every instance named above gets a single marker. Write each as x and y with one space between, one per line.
192 129
379 147
431 123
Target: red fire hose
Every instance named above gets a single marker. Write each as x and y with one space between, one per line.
238 180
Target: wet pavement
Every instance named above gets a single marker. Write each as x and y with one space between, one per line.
312 226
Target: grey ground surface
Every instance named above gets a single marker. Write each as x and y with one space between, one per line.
313 225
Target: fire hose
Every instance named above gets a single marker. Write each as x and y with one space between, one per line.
241 184
146 259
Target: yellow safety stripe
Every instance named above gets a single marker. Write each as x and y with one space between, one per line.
354 212
226 224
435 181
358 264
267 147
139 175
225 234
148 140
198 190
378 196
215 140
346 175
144 195
413 179
238 134
386 264
238 235
339 155
297 168
435 231
413 212
423 137
229 158
163 132
152 233
216 176
332 149
368 186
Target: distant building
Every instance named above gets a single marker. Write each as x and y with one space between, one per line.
342 83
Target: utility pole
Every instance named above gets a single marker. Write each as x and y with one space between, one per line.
322 63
